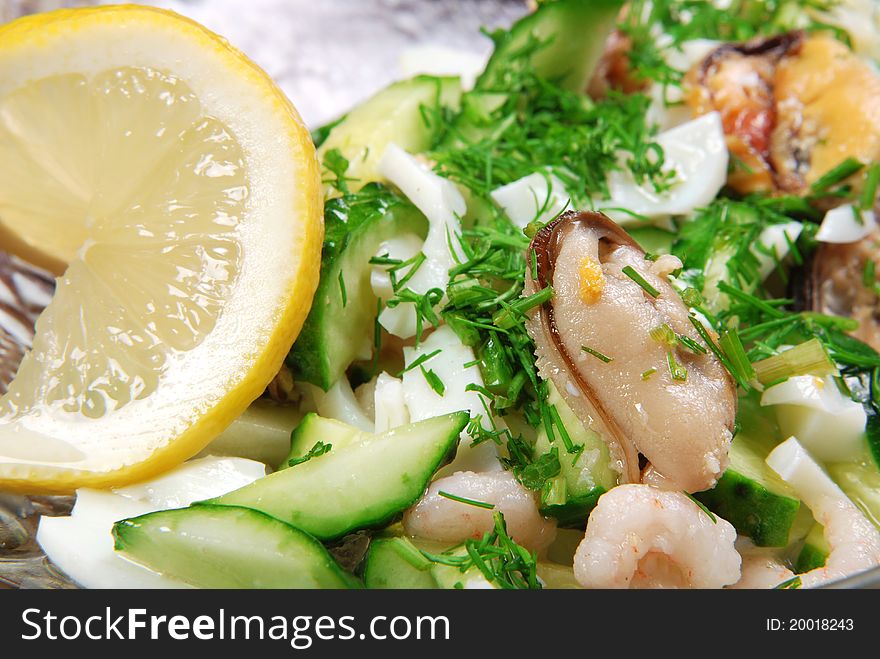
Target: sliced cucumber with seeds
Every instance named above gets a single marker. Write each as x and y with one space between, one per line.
339 327
362 485
396 563
226 547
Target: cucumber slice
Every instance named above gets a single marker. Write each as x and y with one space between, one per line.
395 563
362 485
261 433
401 113
861 483
815 551
226 547
572 36
750 495
583 478
313 429
575 32
339 327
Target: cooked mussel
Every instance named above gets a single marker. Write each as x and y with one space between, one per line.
613 339
833 284
793 107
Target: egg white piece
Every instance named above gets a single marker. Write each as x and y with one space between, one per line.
775 240
697 155
81 545
828 423
842 225
798 468
537 197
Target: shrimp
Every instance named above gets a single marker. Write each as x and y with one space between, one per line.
761 566
436 517
642 537
854 541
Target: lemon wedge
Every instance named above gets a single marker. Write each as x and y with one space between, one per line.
178 191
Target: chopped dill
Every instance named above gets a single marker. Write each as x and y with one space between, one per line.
496 555
434 381
469 502
342 290
320 448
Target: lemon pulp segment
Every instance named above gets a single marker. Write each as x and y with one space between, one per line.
181 191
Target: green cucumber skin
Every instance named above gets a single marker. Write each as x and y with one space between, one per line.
168 541
385 568
404 113
755 511
355 226
810 558
359 486
313 429
578 29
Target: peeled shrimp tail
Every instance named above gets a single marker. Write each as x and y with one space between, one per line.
642 537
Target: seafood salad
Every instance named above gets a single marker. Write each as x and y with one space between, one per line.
606 315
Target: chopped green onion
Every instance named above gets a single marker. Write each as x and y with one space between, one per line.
837 174
869 275
554 492
596 354
808 358
320 448
510 315
691 345
872 181
732 347
664 335
630 272
647 374
679 373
